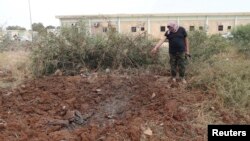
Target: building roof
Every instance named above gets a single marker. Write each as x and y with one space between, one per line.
152 15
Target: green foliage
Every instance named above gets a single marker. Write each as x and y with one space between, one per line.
15 28
241 37
39 27
58 52
215 66
233 83
50 27
125 51
197 38
242 34
74 49
203 47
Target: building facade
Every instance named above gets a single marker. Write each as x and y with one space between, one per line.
156 24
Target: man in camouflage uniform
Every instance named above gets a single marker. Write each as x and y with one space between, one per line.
178 49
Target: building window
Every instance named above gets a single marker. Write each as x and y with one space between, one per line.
133 29
104 29
229 27
220 28
142 28
201 28
163 29
191 28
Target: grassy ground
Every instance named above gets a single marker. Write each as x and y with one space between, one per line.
14 68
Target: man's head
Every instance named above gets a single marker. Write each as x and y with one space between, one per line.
173 26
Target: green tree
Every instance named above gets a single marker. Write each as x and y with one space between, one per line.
39 27
50 27
15 28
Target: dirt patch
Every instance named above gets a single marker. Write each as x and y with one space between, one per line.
105 107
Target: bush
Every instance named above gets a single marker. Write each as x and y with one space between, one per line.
203 47
64 51
216 67
197 39
118 50
74 49
241 37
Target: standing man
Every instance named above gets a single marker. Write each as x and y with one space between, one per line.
178 49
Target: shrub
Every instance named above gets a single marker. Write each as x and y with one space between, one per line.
241 37
65 51
203 47
74 49
216 66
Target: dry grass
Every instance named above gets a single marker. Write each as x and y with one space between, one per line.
14 68
227 73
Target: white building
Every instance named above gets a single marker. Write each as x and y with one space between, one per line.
155 24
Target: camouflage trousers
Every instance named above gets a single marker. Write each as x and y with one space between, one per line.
178 64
